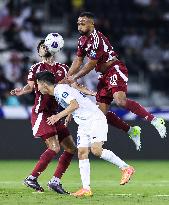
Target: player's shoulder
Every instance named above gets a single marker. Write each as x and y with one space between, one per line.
82 40
61 87
62 66
36 65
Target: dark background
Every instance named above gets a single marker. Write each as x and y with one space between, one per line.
17 141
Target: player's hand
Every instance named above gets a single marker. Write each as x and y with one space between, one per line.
93 93
52 119
17 91
68 119
69 79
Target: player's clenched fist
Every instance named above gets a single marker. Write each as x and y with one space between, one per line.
17 91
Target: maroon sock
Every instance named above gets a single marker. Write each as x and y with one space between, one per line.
115 121
43 162
139 110
63 164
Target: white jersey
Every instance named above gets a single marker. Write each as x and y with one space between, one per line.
64 94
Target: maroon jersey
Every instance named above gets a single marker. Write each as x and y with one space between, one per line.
46 103
96 47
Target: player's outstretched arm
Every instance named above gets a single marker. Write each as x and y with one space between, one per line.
83 89
69 110
28 88
68 119
75 66
90 65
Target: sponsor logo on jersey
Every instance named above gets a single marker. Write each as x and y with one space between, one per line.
65 94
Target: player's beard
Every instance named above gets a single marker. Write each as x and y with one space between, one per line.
47 54
82 33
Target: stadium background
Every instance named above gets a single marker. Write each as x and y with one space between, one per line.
138 31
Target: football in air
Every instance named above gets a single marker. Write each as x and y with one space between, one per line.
54 42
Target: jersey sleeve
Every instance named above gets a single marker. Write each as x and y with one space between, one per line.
80 50
65 94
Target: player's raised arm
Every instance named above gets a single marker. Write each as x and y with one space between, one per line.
90 65
75 65
83 89
28 88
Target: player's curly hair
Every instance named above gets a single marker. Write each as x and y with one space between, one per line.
39 44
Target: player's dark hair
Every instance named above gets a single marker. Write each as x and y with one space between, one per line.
87 14
46 77
39 44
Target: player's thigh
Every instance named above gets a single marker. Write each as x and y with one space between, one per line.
68 144
40 126
98 129
103 96
53 143
62 131
96 148
83 138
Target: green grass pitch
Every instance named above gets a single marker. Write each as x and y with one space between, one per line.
149 184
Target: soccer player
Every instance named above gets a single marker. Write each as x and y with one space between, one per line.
113 83
92 127
53 135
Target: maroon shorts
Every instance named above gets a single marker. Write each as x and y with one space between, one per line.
41 129
114 80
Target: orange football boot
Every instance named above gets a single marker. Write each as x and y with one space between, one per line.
126 175
83 192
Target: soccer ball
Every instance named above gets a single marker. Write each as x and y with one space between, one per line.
54 42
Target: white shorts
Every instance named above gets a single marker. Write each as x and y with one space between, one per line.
95 130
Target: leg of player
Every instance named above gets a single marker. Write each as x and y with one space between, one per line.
84 166
64 161
121 100
127 171
114 120
53 148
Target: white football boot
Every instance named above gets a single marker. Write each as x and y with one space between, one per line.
159 124
134 134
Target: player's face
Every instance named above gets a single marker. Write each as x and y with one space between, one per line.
42 87
85 25
43 51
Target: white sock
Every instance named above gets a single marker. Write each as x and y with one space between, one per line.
111 157
129 130
84 166
31 177
55 180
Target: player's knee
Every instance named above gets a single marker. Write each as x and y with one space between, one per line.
96 151
71 149
54 147
82 154
121 102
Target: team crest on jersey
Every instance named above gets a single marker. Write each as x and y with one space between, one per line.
65 94
59 72
93 54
